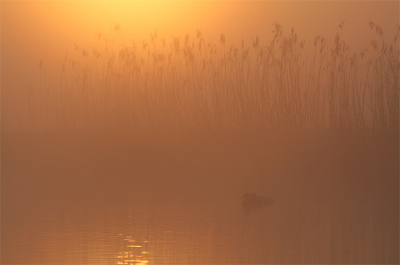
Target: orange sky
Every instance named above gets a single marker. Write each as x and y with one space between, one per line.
35 30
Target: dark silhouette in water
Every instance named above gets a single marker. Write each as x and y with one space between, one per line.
251 200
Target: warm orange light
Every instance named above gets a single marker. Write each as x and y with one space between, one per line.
138 18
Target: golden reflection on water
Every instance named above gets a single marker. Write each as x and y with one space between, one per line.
133 252
281 234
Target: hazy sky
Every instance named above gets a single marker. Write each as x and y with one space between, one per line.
36 30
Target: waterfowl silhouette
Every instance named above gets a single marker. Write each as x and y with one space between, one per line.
251 200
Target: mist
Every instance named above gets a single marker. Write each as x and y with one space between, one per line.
131 131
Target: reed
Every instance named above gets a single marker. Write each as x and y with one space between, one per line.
189 84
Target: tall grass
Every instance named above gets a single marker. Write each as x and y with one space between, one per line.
189 84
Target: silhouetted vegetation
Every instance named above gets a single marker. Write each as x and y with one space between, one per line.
189 84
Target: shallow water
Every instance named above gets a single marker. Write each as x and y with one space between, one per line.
89 204
220 233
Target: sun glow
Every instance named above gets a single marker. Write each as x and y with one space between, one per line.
42 38
139 18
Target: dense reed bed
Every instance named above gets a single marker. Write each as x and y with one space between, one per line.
189 84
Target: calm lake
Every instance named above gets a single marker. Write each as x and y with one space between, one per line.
86 201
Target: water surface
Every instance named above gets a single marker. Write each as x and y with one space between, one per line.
80 202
